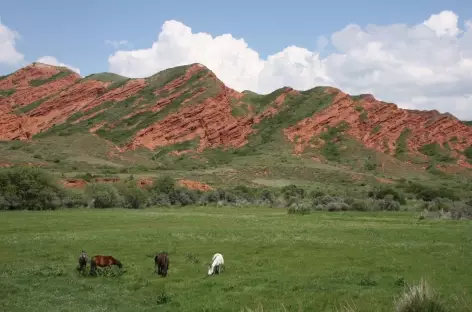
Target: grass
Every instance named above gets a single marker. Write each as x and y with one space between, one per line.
317 262
435 151
6 93
59 75
402 145
27 108
468 153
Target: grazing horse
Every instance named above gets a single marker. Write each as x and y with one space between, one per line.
161 262
83 259
217 262
103 261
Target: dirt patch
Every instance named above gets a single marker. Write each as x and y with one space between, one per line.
384 180
74 183
194 185
144 182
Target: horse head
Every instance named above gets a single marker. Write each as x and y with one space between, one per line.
118 263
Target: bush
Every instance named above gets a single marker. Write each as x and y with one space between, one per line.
386 204
158 199
268 196
74 200
102 195
461 210
384 191
132 195
183 197
293 191
29 188
428 193
419 298
164 185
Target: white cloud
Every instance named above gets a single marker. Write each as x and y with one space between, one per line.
51 60
422 66
8 53
117 43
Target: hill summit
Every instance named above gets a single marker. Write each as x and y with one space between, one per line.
188 105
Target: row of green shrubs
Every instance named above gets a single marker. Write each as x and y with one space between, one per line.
33 189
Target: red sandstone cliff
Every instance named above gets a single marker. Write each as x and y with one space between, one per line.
206 115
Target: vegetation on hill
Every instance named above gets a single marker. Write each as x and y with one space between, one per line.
59 75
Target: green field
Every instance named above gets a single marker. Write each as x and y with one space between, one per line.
316 262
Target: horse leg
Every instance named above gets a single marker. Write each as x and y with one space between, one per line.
93 266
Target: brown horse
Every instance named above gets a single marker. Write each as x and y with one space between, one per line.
161 263
103 261
83 259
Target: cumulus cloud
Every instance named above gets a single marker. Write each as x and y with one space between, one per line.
51 60
422 66
8 53
117 43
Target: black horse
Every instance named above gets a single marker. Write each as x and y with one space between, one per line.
161 262
83 259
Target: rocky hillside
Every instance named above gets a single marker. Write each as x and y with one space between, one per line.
189 104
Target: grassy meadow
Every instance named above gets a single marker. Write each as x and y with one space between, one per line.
317 262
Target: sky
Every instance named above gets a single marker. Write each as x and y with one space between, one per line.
417 54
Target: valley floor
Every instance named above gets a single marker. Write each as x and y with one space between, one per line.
317 262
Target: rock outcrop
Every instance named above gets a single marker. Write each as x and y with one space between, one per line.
39 97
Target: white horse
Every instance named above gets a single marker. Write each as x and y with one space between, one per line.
217 262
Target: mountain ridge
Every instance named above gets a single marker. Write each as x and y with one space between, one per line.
189 103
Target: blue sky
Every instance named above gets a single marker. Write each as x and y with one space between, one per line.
415 53
74 31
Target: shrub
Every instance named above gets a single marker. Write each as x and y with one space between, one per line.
461 210
74 200
102 195
428 193
359 205
164 185
386 204
268 196
337 206
182 197
316 193
211 197
132 195
292 190
419 298
383 191
159 199
29 188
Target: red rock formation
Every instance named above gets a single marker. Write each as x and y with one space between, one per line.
119 94
53 111
211 121
389 121
24 76
27 95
